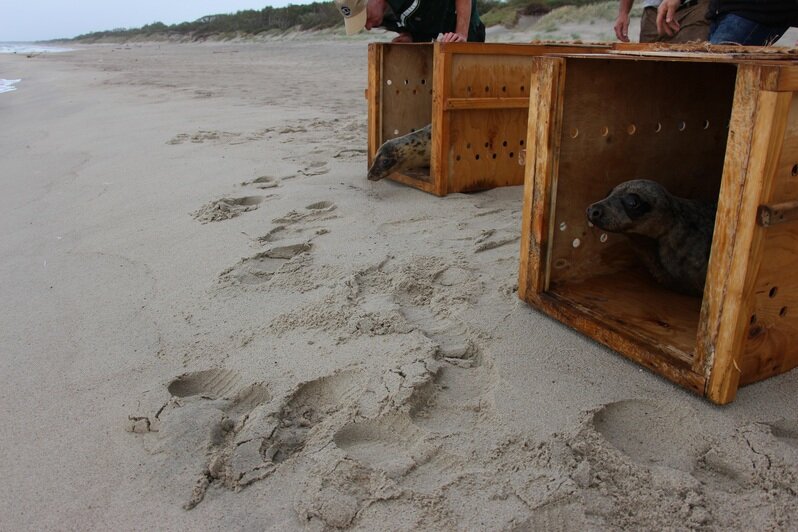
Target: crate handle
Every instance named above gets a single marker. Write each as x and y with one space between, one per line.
776 213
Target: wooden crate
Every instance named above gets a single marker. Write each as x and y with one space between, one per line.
710 126
476 95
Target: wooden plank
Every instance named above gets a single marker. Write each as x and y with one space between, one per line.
421 182
777 213
542 145
439 167
788 79
620 341
374 100
746 180
770 342
457 104
527 49
630 303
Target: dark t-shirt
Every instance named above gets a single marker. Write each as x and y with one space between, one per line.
426 19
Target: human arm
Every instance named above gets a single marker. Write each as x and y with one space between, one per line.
622 22
666 17
460 33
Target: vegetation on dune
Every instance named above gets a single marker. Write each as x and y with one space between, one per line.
315 16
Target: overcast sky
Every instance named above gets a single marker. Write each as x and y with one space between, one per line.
34 20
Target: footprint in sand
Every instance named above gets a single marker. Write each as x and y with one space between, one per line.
263 182
315 168
315 211
392 444
203 136
653 434
226 208
260 268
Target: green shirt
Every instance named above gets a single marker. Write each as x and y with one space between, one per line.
426 19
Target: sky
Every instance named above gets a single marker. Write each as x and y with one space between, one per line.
38 20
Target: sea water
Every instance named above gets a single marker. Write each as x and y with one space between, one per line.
8 85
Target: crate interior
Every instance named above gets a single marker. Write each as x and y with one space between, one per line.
630 119
406 92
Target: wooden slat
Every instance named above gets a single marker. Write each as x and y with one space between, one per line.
770 340
729 299
542 145
788 79
456 104
777 213
439 168
374 100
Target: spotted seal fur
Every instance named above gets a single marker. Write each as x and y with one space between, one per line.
672 235
408 152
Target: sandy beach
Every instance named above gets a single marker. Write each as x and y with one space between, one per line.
211 320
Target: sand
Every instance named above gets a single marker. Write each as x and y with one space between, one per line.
211 320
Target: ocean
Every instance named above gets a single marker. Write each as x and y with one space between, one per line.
8 85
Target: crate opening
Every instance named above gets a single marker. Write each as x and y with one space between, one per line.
664 121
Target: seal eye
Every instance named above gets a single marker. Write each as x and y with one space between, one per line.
634 205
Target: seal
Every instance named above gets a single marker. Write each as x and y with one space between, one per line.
408 152
672 235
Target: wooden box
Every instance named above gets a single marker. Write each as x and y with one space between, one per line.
476 95
712 126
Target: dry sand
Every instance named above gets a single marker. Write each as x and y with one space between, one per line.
211 320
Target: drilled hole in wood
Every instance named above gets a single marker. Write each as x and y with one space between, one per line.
795 170
512 155
388 82
504 143
658 127
706 124
576 243
504 88
521 142
476 157
574 133
468 145
487 144
783 312
773 291
493 156
522 88
423 81
487 88
468 89
395 131
682 125
397 91
560 264
456 157
414 91
605 131
603 237
563 226
407 82
631 129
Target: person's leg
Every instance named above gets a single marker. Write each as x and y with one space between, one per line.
693 23
733 29
648 25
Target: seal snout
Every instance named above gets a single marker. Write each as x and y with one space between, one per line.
595 213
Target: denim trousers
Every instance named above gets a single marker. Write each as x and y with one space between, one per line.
733 29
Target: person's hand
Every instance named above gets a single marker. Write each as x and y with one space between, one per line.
622 28
403 37
666 17
452 37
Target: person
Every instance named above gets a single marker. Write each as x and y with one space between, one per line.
746 22
751 22
415 20
689 17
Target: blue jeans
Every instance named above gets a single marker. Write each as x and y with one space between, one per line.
731 28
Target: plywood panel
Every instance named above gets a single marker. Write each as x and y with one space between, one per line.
406 89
